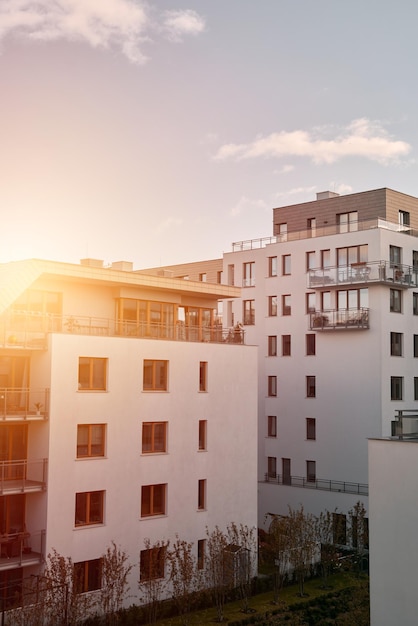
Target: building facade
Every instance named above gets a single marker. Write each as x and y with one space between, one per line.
119 394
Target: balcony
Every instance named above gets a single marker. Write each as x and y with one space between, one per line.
12 335
405 424
321 484
22 476
19 404
360 274
21 549
343 319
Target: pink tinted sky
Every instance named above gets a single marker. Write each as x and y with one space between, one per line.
160 134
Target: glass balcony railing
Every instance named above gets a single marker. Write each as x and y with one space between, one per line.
405 424
24 403
383 272
22 476
333 319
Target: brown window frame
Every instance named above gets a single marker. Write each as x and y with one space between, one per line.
88 512
150 494
154 446
150 383
91 382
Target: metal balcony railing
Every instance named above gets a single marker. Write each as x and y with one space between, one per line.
24 403
322 484
21 549
22 476
382 272
333 319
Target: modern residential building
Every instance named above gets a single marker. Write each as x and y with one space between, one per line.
119 396
331 299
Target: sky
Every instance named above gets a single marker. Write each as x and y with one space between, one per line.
159 133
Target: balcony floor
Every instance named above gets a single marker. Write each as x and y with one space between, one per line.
25 560
15 486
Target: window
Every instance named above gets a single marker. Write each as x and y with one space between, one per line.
272 266
311 386
310 260
272 306
310 302
249 312
272 426
272 345
202 434
88 575
404 218
396 387
201 494
282 232
203 376
347 222
339 528
415 260
352 254
92 373
272 385
311 471
286 305
89 508
231 275
153 500
286 345
201 549
415 303
155 375
311 428
248 272
396 340
415 387
154 437
415 346
286 473
90 440
325 259
272 466
395 255
311 225
395 301
219 277
286 264
152 562
310 344
352 298
203 277
325 300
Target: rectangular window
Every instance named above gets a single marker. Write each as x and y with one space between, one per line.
272 426
311 386
352 254
272 266
395 255
88 575
415 346
89 507
202 434
286 472
92 373
415 260
272 345
248 273
311 225
286 264
90 440
203 277
203 376
415 303
219 277
325 259
155 375
396 344
310 302
249 312
339 528
272 466
310 344
282 232
272 385
396 387
201 494
201 549
404 218
415 387
311 471
352 298
152 563
311 428
325 300
286 345
231 275
154 437
347 222
286 305
272 306
153 500
310 260
395 301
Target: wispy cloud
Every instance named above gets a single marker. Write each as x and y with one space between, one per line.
285 169
245 204
123 25
295 191
361 138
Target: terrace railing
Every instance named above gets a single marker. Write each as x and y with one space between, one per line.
363 273
322 484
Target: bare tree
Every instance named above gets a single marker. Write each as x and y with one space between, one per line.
278 550
244 539
115 586
218 580
325 534
152 576
184 577
302 543
359 534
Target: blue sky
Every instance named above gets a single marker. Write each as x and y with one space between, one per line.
160 133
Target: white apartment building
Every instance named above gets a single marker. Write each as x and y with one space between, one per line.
124 415
331 300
